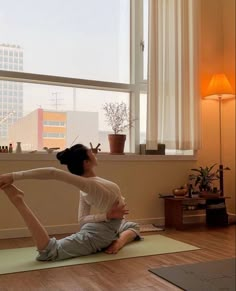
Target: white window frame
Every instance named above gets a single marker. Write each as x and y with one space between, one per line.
133 88
137 83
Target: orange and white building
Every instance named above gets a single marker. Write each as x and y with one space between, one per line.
43 128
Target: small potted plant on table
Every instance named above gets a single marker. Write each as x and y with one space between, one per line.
204 179
119 118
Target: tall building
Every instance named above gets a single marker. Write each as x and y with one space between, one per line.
43 128
11 93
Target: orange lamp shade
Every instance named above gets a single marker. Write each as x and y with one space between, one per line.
219 85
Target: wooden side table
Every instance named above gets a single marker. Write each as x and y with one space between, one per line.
214 208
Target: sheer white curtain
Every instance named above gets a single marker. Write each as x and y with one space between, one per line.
173 106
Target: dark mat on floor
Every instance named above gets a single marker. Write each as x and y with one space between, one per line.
210 276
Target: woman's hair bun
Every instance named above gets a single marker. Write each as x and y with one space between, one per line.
64 156
74 158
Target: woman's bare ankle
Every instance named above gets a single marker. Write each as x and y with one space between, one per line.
14 194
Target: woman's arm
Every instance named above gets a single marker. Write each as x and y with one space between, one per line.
95 192
38 173
51 173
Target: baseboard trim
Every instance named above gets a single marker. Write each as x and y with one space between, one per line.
198 218
160 221
23 232
72 228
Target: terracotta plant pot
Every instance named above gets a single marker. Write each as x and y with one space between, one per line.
117 143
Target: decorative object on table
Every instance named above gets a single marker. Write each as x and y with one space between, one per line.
50 150
166 195
182 191
96 149
220 89
204 179
190 191
18 147
119 118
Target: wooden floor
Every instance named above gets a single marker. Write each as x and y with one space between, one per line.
127 274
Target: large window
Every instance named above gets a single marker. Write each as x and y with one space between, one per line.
60 62
87 45
59 116
77 38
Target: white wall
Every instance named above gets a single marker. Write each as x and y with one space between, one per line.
56 203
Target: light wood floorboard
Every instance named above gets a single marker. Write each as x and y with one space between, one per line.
127 274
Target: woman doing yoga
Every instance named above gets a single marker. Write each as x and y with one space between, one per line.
106 230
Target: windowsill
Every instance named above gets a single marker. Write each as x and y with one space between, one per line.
42 156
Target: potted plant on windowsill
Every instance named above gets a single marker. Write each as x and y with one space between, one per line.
119 118
204 179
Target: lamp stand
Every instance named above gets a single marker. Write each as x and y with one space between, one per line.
220 88
221 171
221 167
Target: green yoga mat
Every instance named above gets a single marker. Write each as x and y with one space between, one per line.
23 259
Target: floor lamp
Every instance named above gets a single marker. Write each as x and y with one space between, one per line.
220 89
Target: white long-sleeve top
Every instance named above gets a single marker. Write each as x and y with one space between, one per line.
94 191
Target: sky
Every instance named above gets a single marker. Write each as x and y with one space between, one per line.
76 38
85 39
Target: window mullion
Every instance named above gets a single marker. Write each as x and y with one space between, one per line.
136 69
64 81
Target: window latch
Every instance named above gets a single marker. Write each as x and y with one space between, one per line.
142 45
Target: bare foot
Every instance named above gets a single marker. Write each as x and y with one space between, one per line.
13 193
114 247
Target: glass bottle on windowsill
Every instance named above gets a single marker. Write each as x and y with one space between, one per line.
18 147
10 148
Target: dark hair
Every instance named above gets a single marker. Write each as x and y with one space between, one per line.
74 158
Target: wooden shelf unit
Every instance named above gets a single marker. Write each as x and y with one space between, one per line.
215 209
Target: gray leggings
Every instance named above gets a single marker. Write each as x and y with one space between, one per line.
92 238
